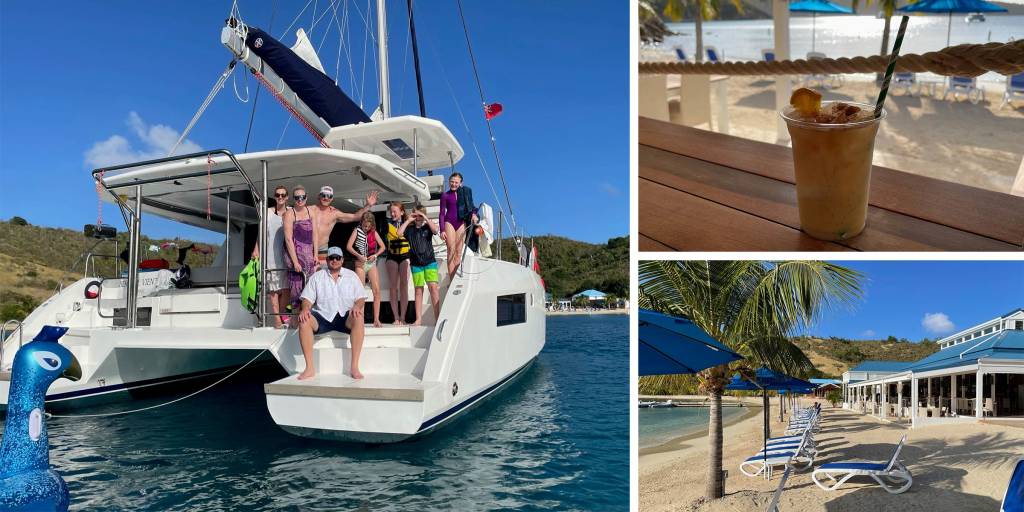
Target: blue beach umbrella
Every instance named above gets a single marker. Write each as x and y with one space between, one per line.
671 345
816 6
951 6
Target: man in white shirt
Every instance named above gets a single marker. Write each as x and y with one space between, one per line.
332 300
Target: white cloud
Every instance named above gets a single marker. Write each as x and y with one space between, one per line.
867 334
610 189
937 323
154 141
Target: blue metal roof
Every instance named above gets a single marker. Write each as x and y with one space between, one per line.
882 366
1008 344
1012 312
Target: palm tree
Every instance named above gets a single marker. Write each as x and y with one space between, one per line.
888 8
706 9
751 306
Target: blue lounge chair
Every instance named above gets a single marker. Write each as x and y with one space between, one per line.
764 462
680 54
1014 89
966 85
906 81
713 54
768 55
893 476
1014 499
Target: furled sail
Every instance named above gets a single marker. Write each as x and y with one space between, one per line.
314 88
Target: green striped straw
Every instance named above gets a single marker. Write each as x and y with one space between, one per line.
892 66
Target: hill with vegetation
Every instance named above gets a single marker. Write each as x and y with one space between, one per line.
34 260
833 356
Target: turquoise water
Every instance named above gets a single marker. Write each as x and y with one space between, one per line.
658 426
847 36
557 439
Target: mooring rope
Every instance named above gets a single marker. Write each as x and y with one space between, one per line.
968 60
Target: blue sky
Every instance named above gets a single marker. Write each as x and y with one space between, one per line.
83 82
919 299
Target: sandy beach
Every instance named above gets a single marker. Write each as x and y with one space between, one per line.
955 467
977 145
591 312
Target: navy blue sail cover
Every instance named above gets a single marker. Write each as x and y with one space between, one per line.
314 88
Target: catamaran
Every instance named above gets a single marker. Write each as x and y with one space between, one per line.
138 329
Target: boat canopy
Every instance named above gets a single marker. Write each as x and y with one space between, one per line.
394 139
183 189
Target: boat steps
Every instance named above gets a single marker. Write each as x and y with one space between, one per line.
384 387
375 360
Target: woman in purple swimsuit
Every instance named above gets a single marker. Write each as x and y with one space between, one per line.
456 210
299 233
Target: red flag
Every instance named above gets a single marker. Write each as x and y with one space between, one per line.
492 110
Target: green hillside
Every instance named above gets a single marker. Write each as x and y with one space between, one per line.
33 260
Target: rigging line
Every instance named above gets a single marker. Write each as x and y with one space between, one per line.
327 33
469 133
483 101
217 86
256 97
293 21
176 400
345 17
405 66
317 21
287 122
366 36
315 5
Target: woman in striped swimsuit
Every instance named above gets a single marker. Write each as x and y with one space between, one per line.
366 245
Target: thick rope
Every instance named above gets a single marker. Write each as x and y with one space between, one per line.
968 60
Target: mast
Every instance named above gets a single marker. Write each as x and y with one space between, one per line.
382 52
416 59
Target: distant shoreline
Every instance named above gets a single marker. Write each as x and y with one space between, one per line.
592 312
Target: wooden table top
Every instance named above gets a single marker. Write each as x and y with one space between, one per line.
705 191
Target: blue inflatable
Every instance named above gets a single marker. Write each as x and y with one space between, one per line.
26 480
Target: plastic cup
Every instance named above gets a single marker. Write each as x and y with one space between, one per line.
833 172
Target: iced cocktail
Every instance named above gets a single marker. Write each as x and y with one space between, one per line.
832 149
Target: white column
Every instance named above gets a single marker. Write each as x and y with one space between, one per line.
929 399
899 399
979 393
952 394
780 13
913 401
885 401
993 394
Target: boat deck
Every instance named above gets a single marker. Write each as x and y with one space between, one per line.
371 387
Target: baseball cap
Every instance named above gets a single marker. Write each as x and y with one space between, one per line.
326 189
335 251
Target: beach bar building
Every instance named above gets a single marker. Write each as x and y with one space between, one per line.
977 373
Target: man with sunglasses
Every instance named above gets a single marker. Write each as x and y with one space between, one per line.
333 300
328 216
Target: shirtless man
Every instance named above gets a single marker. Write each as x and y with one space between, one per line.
328 216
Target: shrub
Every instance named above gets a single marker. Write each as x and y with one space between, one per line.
834 397
18 221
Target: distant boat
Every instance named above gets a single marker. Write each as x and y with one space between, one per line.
974 17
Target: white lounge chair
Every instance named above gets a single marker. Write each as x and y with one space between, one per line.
893 476
1014 89
764 462
1013 501
966 85
834 81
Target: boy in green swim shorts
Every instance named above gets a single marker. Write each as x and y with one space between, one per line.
420 231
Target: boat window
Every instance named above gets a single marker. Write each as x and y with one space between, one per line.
1020 325
400 148
511 309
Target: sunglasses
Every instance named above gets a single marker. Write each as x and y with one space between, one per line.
326 196
333 258
281 196
299 198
